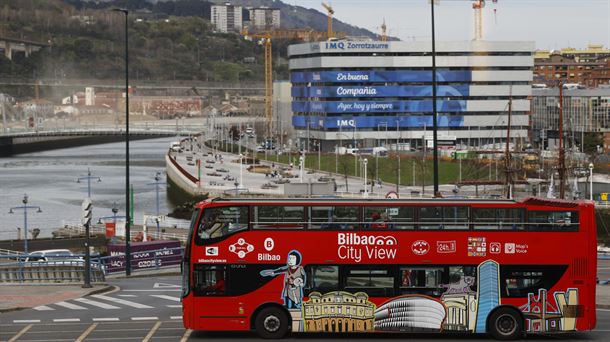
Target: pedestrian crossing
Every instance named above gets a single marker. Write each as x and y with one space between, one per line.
107 302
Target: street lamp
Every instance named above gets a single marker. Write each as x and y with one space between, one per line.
591 181
25 208
241 169
88 177
156 184
127 203
366 191
434 114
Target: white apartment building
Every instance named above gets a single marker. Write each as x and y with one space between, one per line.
226 18
264 17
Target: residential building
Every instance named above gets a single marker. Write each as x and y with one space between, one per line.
588 67
368 93
264 18
226 18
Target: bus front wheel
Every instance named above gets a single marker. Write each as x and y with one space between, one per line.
505 324
271 323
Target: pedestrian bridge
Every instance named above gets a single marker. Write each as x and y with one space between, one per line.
33 141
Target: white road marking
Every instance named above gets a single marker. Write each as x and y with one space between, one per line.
174 306
64 320
123 295
123 301
159 290
144 318
70 306
608 310
164 286
175 299
175 317
43 308
26 321
106 319
98 304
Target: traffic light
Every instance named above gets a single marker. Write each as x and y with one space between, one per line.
87 213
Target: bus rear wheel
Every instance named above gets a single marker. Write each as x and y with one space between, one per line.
505 324
271 323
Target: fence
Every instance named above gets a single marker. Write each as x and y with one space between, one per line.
58 269
68 269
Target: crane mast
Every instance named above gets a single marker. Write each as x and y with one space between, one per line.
330 12
478 19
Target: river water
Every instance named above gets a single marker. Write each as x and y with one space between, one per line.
49 179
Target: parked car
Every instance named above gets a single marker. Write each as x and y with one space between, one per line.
52 255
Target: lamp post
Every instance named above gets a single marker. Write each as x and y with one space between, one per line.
25 208
301 165
366 193
88 177
434 114
590 182
127 192
157 183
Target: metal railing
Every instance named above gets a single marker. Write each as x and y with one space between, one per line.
30 268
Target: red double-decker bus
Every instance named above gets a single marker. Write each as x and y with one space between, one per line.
357 265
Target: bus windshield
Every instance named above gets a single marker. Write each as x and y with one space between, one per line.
221 221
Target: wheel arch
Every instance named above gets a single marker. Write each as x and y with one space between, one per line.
269 305
506 306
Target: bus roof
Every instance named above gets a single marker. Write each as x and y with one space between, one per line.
526 201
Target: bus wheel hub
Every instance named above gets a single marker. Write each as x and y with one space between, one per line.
271 323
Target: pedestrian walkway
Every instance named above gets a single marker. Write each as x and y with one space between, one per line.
15 297
111 302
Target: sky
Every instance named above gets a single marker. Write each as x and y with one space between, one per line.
552 24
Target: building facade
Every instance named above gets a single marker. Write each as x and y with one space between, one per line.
226 18
264 18
584 111
588 67
368 93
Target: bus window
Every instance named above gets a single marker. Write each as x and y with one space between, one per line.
209 280
443 217
498 218
389 217
321 278
278 217
376 282
221 221
521 280
418 280
553 220
328 217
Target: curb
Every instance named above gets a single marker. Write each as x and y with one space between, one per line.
107 288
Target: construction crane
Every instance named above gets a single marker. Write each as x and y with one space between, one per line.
266 40
478 6
330 12
384 35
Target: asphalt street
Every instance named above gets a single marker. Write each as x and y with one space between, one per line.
148 309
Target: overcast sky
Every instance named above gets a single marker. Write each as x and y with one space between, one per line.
552 24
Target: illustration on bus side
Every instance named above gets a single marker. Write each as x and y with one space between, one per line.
294 279
462 305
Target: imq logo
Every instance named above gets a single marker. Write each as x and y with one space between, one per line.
335 45
346 123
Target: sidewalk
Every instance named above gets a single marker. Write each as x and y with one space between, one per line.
17 297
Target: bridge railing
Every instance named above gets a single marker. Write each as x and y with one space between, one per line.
26 268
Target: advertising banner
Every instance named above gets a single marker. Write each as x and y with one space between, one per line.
150 254
359 76
380 91
377 106
350 122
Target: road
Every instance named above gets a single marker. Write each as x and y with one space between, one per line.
148 309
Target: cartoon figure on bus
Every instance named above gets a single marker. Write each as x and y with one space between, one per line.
294 279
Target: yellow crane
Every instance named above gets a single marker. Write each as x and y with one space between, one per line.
266 40
330 11
478 19
384 35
